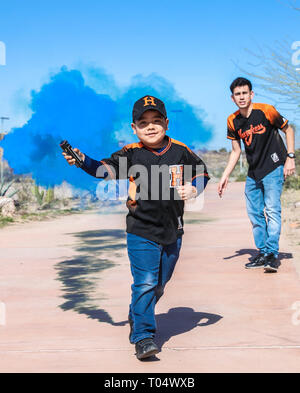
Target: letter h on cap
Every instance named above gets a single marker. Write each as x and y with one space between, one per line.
149 101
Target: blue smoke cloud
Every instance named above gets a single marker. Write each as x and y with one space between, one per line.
94 118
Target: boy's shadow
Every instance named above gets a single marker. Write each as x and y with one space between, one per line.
181 320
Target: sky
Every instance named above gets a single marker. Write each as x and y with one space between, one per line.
195 47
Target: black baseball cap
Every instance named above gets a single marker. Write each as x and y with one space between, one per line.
148 103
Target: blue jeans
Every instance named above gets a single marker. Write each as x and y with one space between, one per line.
152 266
264 210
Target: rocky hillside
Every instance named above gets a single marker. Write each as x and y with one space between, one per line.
216 162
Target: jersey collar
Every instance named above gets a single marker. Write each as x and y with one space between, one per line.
166 148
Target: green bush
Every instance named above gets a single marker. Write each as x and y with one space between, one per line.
292 182
44 198
241 177
5 220
4 187
49 195
39 195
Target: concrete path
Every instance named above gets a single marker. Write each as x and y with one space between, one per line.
65 290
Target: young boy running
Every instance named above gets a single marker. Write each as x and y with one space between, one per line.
156 205
269 164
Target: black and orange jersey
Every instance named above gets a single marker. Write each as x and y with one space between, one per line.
264 147
155 209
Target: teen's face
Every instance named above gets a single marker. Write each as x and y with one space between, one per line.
242 96
151 128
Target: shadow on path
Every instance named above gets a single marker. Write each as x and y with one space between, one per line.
180 320
253 253
79 276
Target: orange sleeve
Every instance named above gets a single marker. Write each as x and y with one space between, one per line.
273 115
231 132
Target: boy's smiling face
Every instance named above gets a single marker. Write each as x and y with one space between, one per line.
151 129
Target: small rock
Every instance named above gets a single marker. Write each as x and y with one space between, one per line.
297 204
295 224
7 207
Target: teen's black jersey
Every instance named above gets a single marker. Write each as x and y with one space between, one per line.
264 146
155 211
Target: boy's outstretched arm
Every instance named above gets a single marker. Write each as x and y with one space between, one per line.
107 168
90 166
233 159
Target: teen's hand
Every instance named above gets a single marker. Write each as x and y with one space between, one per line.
187 191
289 167
222 185
70 159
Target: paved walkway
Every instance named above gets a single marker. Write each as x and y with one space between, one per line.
65 285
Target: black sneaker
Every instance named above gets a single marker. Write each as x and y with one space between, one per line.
272 263
146 348
130 321
258 261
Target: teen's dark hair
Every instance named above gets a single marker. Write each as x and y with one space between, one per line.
239 82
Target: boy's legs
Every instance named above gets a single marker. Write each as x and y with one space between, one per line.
169 257
146 258
255 208
273 185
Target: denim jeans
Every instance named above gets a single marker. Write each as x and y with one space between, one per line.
152 266
264 210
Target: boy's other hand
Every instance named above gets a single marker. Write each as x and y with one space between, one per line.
289 167
187 191
222 186
70 159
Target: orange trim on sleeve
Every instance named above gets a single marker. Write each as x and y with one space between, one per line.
137 145
181 144
111 174
230 119
132 189
201 174
270 112
284 124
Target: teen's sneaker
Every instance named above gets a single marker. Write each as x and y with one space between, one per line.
130 321
272 263
146 348
258 261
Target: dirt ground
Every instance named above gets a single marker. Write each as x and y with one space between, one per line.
65 291
291 222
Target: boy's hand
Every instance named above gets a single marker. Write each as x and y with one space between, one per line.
70 159
222 185
187 191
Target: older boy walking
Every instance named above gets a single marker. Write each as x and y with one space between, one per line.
269 164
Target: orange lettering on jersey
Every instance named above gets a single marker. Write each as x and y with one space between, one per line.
176 172
248 134
149 101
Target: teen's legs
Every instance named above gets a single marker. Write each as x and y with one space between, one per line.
255 208
273 185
